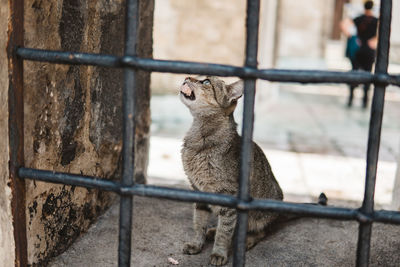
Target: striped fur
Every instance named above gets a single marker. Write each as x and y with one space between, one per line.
211 158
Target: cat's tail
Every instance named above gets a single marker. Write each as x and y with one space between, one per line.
322 201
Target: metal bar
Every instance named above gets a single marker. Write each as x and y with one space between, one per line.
128 149
383 216
16 129
73 58
210 198
273 75
386 216
69 179
365 229
252 24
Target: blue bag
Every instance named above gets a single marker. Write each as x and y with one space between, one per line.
352 47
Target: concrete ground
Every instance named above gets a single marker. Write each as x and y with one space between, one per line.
160 228
314 144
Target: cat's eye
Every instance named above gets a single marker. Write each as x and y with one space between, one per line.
206 82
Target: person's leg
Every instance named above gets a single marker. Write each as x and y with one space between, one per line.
354 65
351 94
365 98
367 66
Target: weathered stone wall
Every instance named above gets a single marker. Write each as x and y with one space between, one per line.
73 119
303 27
7 245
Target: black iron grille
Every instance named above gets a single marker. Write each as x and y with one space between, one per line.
126 188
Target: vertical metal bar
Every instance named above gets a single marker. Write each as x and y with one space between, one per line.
16 129
252 24
365 229
128 150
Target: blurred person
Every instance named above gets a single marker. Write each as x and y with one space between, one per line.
361 45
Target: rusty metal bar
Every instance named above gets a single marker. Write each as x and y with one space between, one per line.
16 129
365 228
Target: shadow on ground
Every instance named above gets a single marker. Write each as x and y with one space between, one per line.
161 227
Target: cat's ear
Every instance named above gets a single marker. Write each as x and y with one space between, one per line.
235 90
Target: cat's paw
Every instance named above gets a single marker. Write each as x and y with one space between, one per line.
218 260
192 248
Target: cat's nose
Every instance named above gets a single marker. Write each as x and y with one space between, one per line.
188 79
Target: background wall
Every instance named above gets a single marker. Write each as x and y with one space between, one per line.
204 31
303 27
395 34
293 34
214 31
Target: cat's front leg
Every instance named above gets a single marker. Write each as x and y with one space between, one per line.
201 215
223 236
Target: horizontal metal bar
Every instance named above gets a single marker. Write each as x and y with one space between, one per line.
305 209
69 179
170 66
383 216
386 216
180 195
73 58
137 189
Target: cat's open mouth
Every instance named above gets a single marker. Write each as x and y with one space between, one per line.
187 92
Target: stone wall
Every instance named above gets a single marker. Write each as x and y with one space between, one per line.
73 119
7 245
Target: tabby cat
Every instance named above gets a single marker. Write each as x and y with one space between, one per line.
211 159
